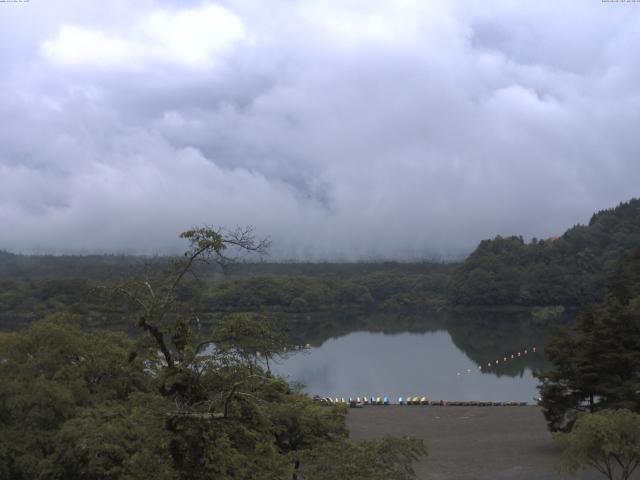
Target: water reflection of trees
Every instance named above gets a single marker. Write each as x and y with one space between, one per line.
483 336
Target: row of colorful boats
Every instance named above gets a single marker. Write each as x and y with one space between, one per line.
362 401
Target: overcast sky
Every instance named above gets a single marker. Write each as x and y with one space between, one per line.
341 129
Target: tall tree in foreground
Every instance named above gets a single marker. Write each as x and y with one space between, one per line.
229 417
174 404
597 361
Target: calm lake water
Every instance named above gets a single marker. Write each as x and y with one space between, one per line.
441 362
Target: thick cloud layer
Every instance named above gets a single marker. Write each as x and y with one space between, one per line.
343 130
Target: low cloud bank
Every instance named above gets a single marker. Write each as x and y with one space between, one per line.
354 131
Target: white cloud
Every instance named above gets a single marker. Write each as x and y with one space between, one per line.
77 45
194 38
353 129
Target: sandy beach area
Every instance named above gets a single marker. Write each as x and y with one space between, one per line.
470 443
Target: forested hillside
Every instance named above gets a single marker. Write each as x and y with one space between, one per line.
100 267
568 270
388 288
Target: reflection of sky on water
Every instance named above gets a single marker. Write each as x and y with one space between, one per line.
365 363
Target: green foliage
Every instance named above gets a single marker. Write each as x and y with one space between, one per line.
302 425
389 288
111 441
71 401
76 405
608 441
174 404
255 339
286 293
568 270
597 361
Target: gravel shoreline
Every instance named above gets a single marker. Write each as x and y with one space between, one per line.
470 443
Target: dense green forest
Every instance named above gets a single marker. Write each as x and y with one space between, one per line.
99 267
568 270
345 288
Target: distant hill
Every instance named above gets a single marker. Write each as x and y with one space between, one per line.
116 266
99 267
567 270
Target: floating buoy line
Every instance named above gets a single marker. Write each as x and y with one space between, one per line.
380 400
507 358
356 402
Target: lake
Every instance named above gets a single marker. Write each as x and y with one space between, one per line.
439 359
